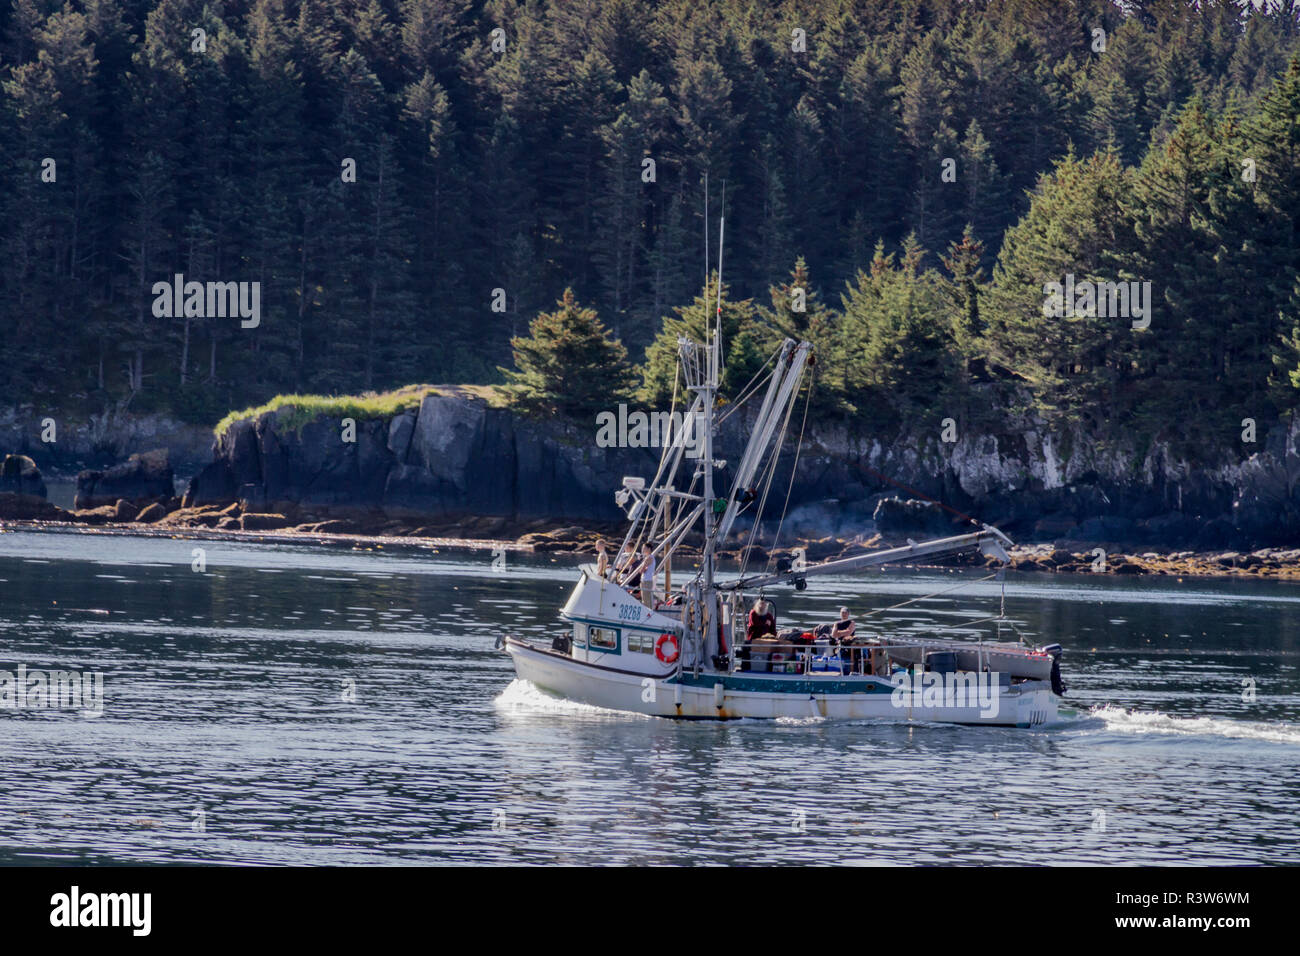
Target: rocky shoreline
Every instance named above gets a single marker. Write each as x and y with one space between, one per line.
457 454
449 468
214 524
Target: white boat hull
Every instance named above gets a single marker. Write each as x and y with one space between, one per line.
1013 659
717 696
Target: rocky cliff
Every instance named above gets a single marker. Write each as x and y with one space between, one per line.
100 441
456 456
141 478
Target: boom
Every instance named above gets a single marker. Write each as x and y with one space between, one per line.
989 540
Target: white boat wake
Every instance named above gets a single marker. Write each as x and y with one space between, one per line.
523 695
1154 722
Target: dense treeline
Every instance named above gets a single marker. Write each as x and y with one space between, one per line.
1084 139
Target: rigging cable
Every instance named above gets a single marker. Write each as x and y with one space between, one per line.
642 525
753 384
767 485
794 467
925 597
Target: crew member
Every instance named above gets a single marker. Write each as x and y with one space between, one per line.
843 632
647 594
761 623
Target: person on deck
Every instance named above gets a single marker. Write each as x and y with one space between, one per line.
843 632
762 621
602 559
629 568
761 624
844 629
647 592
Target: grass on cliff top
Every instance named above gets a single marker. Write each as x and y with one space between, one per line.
297 410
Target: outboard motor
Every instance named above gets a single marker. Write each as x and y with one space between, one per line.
784 565
1058 685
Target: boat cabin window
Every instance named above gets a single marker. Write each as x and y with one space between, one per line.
603 637
580 635
642 642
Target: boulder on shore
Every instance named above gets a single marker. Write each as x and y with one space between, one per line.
20 507
141 479
104 514
149 515
19 474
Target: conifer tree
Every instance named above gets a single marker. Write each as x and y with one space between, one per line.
742 354
1075 366
511 137
797 312
629 141
898 343
568 363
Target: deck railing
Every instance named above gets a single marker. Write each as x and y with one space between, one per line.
858 659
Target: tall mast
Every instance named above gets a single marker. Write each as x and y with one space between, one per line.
714 365
722 224
706 232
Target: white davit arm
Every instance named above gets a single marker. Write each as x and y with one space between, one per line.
989 540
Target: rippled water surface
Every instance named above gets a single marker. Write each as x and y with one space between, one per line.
226 735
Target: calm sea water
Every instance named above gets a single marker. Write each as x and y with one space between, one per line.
227 736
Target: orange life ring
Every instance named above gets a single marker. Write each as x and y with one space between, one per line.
666 656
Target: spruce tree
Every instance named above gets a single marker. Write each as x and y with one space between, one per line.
742 355
899 349
568 363
1074 366
797 312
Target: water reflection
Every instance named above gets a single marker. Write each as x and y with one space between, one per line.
331 706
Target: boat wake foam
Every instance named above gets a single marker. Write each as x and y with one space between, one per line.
523 695
808 721
1154 722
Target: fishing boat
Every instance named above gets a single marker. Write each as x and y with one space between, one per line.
693 653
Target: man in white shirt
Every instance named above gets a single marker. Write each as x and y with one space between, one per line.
647 576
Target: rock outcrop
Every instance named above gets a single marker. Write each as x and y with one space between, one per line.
22 492
141 479
17 507
60 445
19 475
456 456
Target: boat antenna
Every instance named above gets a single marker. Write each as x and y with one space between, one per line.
722 226
706 232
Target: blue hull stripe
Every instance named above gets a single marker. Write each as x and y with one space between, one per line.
789 684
